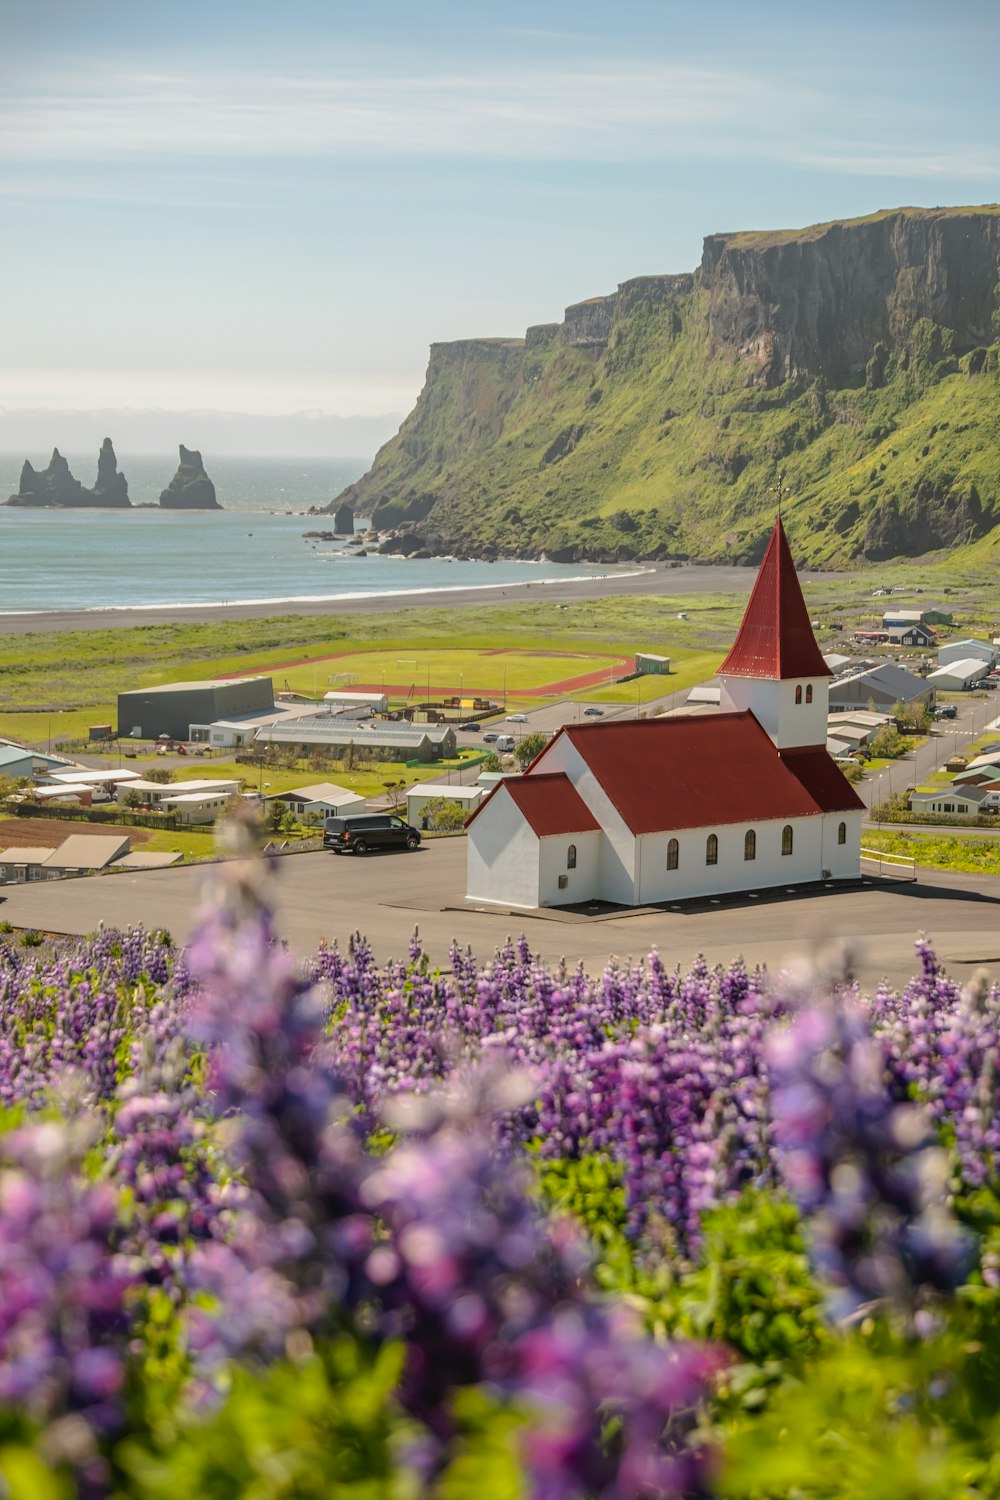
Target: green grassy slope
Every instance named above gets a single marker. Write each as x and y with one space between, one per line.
653 438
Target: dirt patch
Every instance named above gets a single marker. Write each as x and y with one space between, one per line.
49 833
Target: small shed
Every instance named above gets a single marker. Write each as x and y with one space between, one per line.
468 799
85 851
649 665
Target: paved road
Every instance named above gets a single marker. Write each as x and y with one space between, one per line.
976 716
322 896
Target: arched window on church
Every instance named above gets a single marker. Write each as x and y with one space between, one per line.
750 844
571 857
673 854
787 839
712 849
798 694
842 833
809 692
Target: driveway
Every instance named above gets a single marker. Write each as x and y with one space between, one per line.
323 896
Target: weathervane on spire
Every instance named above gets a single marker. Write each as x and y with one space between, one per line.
778 489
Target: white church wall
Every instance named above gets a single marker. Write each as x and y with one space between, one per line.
617 848
583 882
502 856
789 723
842 860
694 877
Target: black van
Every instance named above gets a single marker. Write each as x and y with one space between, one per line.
368 831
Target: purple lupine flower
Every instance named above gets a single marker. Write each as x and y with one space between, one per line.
862 1166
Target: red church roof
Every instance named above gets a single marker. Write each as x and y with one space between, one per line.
775 638
549 803
701 772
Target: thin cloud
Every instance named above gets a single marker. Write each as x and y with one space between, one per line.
619 113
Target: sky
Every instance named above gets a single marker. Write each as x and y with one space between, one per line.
276 207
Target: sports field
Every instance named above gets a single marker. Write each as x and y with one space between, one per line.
469 672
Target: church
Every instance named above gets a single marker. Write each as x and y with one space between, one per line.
660 810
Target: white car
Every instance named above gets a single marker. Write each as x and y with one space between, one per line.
517 718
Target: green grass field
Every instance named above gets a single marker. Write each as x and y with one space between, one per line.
964 855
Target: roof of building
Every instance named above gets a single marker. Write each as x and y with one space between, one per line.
338 731
886 677
678 772
26 855
835 661
321 791
96 777
968 666
445 789
968 640
11 754
148 859
187 798
281 713
206 682
828 787
64 789
86 851
967 793
549 803
776 638
987 758
905 616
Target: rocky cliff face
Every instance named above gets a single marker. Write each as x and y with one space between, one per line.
822 302
190 488
860 359
55 486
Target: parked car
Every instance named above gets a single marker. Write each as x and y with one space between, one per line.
517 718
490 738
505 742
368 831
946 711
593 712
472 727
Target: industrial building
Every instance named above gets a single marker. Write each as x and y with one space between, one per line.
171 709
965 651
956 676
881 686
381 741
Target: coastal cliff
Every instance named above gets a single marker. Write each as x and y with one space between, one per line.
859 359
190 488
55 486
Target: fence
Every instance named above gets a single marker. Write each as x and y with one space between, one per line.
900 866
113 814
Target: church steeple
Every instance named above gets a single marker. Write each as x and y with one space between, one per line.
775 667
775 639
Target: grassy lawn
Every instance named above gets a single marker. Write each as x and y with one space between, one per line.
973 856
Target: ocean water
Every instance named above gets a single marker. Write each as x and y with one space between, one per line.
252 551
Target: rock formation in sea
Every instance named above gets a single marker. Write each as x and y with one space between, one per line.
190 488
343 519
56 486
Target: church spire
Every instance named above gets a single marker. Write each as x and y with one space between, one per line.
775 639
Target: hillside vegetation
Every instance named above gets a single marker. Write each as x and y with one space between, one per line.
860 360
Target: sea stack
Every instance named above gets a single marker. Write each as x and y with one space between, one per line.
190 488
343 519
55 486
111 487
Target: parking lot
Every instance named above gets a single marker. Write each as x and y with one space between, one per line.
325 897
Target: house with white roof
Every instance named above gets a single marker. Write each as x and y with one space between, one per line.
660 810
311 804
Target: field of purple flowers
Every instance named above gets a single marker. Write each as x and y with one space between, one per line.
362 1231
